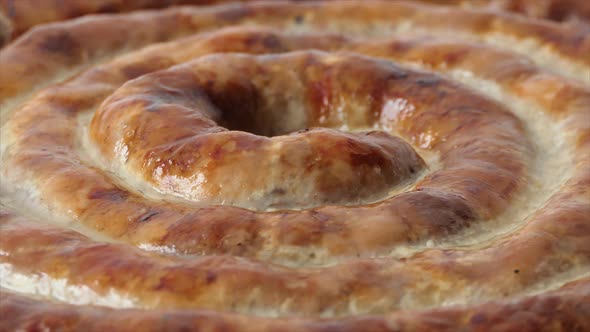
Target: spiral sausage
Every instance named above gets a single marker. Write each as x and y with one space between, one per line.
296 166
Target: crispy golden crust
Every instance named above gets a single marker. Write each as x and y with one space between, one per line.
311 167
479 158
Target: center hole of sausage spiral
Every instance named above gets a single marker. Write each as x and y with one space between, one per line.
291 131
